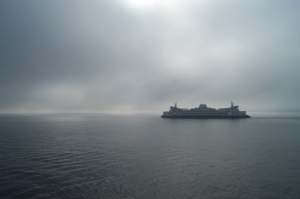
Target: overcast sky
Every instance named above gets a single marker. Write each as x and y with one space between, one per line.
126 56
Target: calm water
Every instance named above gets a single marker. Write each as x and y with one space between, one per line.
73 156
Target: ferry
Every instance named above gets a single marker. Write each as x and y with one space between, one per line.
205 112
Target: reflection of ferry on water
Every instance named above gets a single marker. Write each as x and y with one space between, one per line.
205 112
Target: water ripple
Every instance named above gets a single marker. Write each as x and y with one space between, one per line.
128 157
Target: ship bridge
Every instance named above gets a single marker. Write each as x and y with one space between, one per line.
202 106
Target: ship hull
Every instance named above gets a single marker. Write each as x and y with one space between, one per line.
206 116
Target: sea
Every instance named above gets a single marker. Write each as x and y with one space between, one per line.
145 156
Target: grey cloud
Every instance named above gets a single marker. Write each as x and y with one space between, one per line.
105 56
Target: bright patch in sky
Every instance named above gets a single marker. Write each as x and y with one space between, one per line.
153 3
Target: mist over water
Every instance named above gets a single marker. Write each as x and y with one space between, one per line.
90 156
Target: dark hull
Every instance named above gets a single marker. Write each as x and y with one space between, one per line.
206 116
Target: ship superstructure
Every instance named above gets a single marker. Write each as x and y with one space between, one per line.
205 112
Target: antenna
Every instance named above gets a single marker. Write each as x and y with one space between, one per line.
231 103
176 104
